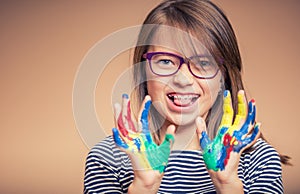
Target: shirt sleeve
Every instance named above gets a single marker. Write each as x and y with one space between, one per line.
104 172
265 172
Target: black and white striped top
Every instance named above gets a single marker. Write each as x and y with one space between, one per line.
109 170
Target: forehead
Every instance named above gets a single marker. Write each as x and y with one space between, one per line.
178 40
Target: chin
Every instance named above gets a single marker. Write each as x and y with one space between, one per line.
182 119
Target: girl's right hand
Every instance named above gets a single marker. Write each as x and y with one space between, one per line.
148 158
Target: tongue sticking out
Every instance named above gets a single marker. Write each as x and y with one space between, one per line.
183 100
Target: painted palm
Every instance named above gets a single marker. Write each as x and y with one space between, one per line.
231 137
139 144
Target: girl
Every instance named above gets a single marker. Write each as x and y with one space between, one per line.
188 127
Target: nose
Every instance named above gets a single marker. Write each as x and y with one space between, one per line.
183 77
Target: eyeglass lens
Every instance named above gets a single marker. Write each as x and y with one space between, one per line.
167 64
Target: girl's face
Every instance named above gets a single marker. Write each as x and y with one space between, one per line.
181 97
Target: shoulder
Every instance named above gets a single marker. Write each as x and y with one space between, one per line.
105 147
263 153
262 169
107 152
108 169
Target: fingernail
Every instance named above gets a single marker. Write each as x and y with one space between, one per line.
251 105
199 120
226 92
240 97
114 130
148 103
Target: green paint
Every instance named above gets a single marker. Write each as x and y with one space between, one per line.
212 153
158 156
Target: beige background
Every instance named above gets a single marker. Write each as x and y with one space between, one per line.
43 43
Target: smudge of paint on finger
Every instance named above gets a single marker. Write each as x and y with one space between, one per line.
128 118
118 140
144 121
204 140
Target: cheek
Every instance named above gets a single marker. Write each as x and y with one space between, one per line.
155 85
216 84
155 89
152 87
212 88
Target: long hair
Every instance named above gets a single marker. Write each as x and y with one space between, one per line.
206 22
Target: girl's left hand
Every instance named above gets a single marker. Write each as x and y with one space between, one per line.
221 155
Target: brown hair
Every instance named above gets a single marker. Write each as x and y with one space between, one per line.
207 22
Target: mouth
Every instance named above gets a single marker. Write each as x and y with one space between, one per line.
183 99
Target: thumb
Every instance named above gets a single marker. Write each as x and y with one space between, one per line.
202 132
201 126
170 134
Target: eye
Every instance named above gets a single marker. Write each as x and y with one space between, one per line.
164 62
203 62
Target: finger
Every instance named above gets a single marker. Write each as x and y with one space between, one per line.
201 132
200 124
242 110
126 113
118 140
129 119
227 110
252 112
117 111
143 115
169 139
119 120
170 135
249 140
125 100
249 122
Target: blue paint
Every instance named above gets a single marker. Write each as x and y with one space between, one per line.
125 96
250 120
118 140
223 130
248 140
144 121
221 159
216 152
251 113
204 140
226 92
254 111
138 143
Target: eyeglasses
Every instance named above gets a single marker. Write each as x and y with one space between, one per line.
167 64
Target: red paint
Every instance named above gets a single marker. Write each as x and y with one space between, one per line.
130 123
228 146
121 125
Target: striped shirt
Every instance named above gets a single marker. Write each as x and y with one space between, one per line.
109 170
